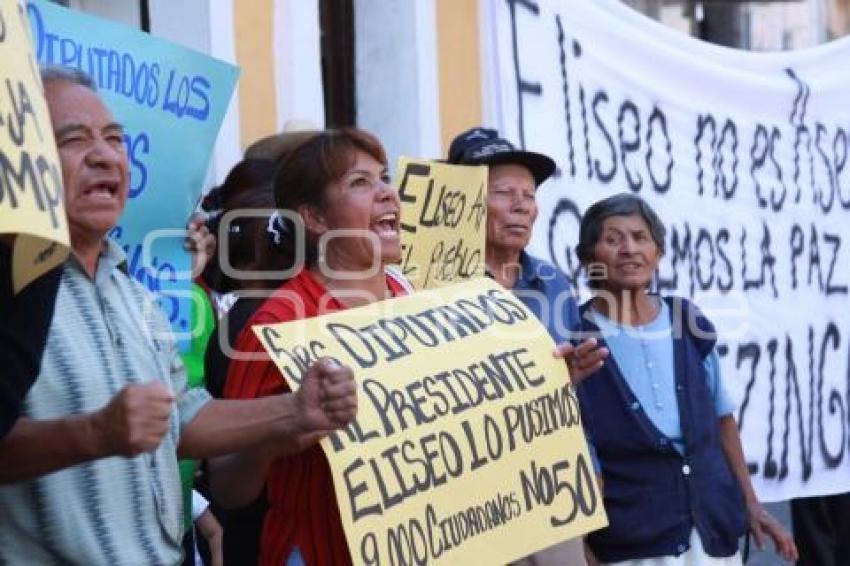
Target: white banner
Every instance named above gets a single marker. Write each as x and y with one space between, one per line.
745 157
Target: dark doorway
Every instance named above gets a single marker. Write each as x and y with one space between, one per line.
337 29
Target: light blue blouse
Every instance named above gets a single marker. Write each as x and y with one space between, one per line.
644 355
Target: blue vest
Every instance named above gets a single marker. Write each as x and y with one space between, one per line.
654 496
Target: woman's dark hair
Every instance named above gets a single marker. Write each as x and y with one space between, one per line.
244 177
248 186
623 204
304 174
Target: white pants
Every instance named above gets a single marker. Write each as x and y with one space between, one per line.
695 556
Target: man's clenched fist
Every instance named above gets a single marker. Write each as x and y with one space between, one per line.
135 420
327 399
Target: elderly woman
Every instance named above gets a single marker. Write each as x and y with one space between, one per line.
336 180
676 488
513 178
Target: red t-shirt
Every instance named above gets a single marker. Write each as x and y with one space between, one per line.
302 506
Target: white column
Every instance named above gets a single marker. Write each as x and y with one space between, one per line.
491 79
818 21
206 27
298 62
427 79
185 23
228 149
124 12
396 74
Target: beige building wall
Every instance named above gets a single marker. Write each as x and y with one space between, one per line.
459 62
254 33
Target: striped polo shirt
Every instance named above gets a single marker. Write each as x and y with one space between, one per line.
106 333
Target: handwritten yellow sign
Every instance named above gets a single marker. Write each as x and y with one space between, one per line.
468 446
443 222
31 203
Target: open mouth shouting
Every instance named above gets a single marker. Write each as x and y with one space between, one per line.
387 225
103 191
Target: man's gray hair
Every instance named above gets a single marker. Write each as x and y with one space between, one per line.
55 73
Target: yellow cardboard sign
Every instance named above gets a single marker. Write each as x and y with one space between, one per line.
468 446
31 202
443 221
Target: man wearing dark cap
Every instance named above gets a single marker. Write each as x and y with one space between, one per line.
513 178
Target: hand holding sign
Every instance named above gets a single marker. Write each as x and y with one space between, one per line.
582 360
326 400
200 243
467 444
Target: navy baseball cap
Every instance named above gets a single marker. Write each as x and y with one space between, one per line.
483 146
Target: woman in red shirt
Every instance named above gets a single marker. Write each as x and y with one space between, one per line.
337 183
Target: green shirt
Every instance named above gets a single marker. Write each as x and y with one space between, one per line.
203 321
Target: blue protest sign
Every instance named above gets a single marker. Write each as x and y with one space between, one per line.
171 102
